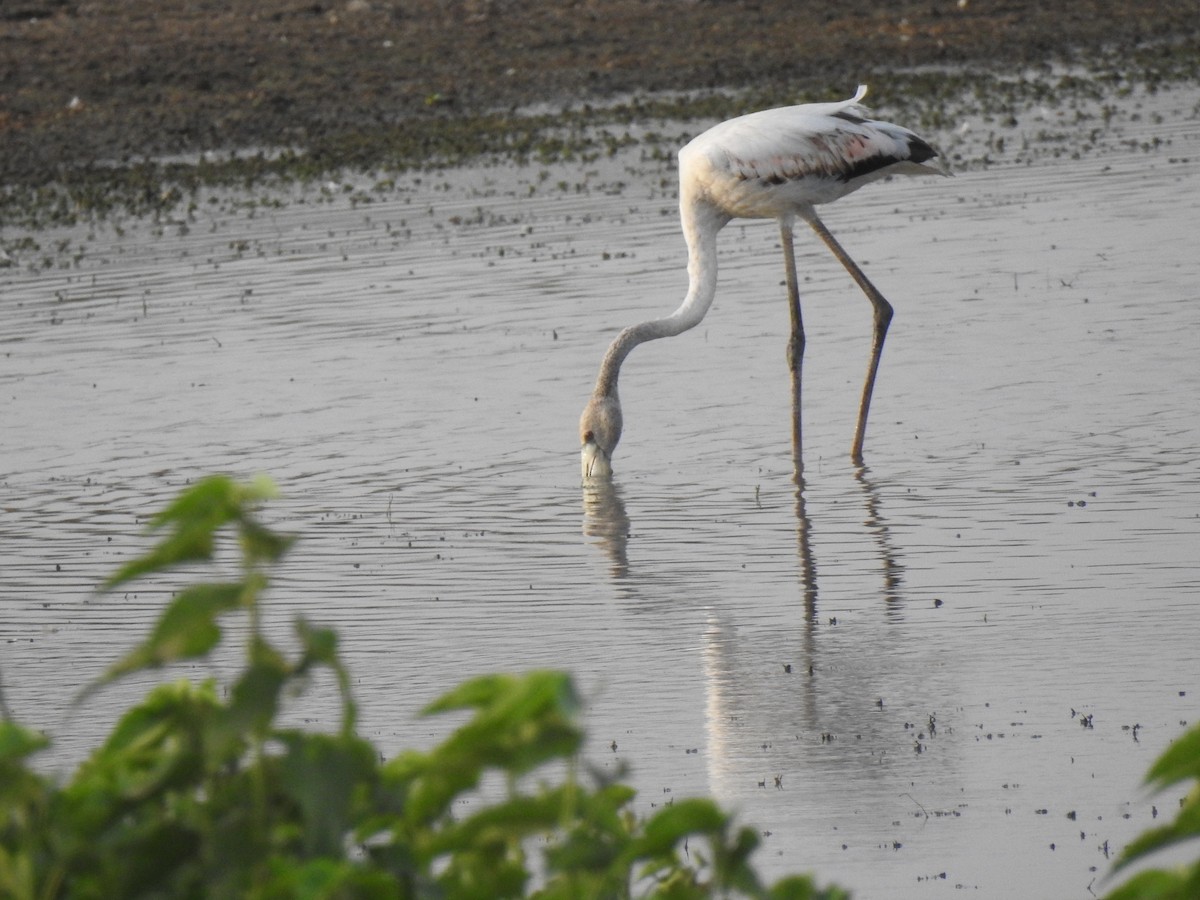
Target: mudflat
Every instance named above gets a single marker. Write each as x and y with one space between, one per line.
110 81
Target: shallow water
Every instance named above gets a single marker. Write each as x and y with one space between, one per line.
1018 558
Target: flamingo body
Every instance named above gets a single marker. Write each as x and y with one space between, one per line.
769 164
774 164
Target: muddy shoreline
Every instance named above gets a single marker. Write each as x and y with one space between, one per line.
90 91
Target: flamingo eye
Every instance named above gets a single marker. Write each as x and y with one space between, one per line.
588 436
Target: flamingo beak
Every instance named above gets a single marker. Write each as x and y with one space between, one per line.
594 461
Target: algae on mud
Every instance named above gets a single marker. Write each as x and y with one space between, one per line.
93 97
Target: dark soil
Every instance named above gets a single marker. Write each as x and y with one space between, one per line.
118 80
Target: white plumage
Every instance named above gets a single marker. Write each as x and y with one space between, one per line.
774 164
763 165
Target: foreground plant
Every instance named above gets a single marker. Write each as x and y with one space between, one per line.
1179 762
198 792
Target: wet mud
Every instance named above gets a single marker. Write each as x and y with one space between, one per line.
366 83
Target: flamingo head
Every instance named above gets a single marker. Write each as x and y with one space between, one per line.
599 432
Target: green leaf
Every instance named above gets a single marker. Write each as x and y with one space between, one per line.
325 879
260 544
1185 827
1154 884
520 723
24 796
186 629
799 887
673 823
324 775
518 695
16 742
144 855
472 694
155 747
320 647
195 517
196 514
1179 761
512 819
320 644
254 697
181 706
731 860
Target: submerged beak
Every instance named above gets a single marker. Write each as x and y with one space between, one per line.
594 461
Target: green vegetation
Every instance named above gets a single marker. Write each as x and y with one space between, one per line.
1179 762
926 100
198 792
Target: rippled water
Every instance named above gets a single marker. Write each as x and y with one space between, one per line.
1019 558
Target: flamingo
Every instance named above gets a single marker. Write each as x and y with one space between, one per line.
773 164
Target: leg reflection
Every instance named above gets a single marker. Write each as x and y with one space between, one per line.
808 568
893 571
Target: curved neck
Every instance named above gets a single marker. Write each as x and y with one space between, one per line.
701 222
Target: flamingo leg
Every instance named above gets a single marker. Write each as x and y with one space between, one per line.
795 351
883 317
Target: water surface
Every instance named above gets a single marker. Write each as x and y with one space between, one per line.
991 629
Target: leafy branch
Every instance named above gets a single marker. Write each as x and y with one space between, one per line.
192 795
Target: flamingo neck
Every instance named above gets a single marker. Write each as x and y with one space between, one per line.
700 223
